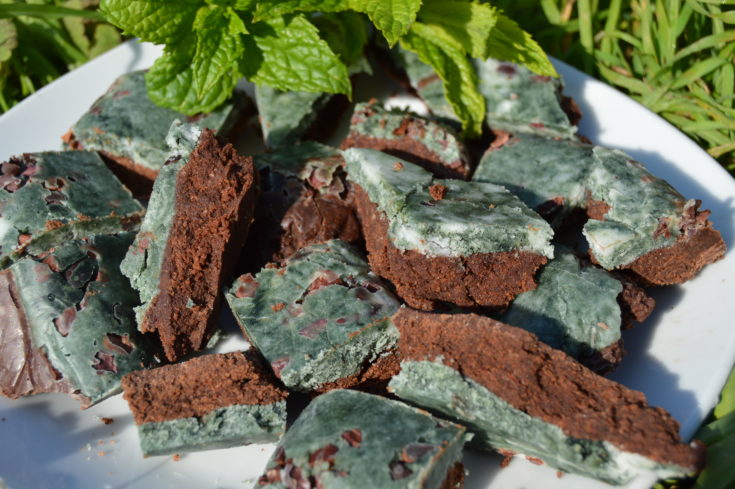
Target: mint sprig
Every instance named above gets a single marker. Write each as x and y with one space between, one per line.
307 45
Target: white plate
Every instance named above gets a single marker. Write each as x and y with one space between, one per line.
679 358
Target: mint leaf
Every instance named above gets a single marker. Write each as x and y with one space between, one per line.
170 82
392 17
157 21
508 42
434 47
470 23
294 57
8 39
271 9
345 32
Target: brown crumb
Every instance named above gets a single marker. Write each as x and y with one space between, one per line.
603 325
398 166
278 306
107 420
535 460
175 457
438 191
506 461
559 474
101 453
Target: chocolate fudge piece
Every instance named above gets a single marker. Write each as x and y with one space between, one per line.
197 220
208 402
445 241
352 440
304 199
518 394
67 323
426 143
638 222
559 310
519 100
321 317
129 130
49 198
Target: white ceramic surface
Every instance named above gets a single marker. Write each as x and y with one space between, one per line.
679 358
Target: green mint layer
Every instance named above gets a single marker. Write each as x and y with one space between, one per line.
352 440
317 319
80 310
645 213
558 311
143 263
498 425
286 116
519 100
471 218
124 122
221 428
52 197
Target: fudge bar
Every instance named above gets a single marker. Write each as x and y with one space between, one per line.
637 222
68 324
558 311
518 100
52 197
349 440
413 138
129 130
304 199
208 402
517 394
321 318
445 241
197 221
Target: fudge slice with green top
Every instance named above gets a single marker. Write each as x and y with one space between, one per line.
517 394
127 128
352 440
49 198
320 319
413 138
208 402
445 241
68 323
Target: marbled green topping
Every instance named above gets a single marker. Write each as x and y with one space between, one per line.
125 122
309 161
221 428
352 440
143 263
286 116
49 198
498 425
372 120
645 212
519 100
472 217
317 319
547 174
558 311
80 308
426 82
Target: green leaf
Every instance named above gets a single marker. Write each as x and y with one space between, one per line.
157 21
469 22
8 39
392 17
727 399
11 10
294 57
508 42
720 470
218 48
434 47
170 82
345 32
272 9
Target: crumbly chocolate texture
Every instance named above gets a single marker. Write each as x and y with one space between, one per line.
125 126
320 318
516 393
352 440
637 222
304 199
412 138
477 246
198 218
49 198
68 322
558 311
518 100
211 401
